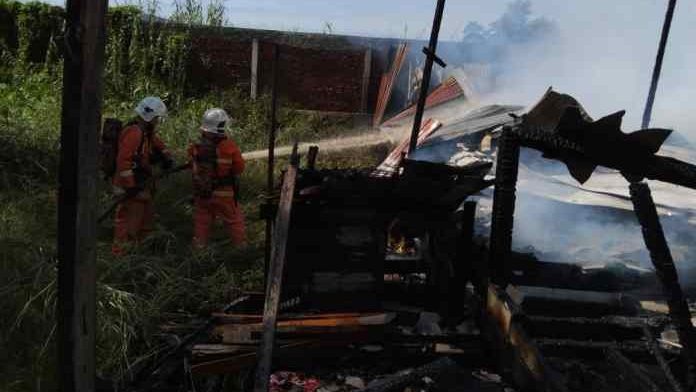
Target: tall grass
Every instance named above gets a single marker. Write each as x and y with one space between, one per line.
163 277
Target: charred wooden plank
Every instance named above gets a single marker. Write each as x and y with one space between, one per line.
504 196
661 361
573 303
271 157
603 328
247 360
529 365
401 380
661 257
630 374
275 275
312 157
593 350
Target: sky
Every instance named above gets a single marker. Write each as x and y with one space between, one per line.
604 58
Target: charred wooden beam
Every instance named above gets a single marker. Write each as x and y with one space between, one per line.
593 350
605 328
275 275
504 196
399 381
77 193
658 63
511 341
661 257
427 74
572 303
656 351
632 375
312 157
271 155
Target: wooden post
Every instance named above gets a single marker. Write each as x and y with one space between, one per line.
275 275
254 84
427 73
661 257
367 69
647 114
77 193
503 215
271 155
312 157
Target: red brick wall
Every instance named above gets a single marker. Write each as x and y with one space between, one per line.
220 62
313 79
309 78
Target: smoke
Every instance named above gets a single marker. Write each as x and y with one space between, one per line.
602 54
515 28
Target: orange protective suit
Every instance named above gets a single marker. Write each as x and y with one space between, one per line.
134 215
224 157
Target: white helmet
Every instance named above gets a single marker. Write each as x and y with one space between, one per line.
151 107
215 121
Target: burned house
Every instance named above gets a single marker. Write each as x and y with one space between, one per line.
412 265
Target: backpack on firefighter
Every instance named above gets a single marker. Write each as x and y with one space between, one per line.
108 148
205 181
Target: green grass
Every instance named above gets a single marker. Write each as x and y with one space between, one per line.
136 294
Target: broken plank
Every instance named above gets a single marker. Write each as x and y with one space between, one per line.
275 274
636 350
603 328
363 318
561 302
250 333
401 380
630 374
246 360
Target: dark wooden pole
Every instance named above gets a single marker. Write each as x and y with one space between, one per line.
77 193
312 157
504 196
661 257
427 73
647 114
271 156
275 275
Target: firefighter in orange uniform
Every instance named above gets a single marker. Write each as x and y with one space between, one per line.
138 149
216 163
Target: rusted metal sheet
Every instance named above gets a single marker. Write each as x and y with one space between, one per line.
387 83
445 92
389 166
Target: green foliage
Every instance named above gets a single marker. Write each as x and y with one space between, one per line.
216 13
188 12
162 278
37 25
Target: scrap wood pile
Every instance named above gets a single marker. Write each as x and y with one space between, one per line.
401 350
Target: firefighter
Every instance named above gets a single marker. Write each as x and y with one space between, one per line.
139 148
216 164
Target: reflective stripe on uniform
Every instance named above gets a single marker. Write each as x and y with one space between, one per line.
223 193
225 161
126 173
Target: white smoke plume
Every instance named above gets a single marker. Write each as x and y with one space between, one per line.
603 54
